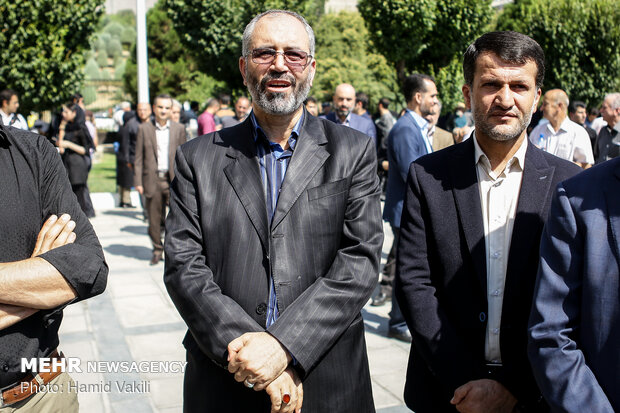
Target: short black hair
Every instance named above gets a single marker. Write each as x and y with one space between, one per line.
311 99
385 102
6 95
574 105
415 83
162 96
512 47
224 99
362 97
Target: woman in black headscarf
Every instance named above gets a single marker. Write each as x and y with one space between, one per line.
75 144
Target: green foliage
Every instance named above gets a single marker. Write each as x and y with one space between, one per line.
90 94
114 48
344 55
114 29
427 36
43 46
102 58
128 36
581 41
213 29
91 70
119 70
171 69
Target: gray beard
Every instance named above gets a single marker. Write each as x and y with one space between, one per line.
277 103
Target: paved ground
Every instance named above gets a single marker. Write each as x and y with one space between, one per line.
134 320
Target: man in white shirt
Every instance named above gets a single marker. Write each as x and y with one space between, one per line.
10 104
561 136
469 237
156 145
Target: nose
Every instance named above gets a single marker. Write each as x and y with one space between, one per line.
279 63
504 97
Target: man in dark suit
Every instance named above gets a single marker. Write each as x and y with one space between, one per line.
273 243
575 321
407 141
469 237
344 102
156 144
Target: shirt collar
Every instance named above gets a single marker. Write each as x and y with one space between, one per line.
260 133
165 127
518 159
421 122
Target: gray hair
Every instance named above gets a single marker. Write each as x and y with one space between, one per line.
614 100
249 29
176 104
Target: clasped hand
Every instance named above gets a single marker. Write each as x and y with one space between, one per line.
262 360
483 396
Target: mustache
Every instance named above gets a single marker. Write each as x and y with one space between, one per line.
277 76
496 110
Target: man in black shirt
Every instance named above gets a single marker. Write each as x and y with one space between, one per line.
49 257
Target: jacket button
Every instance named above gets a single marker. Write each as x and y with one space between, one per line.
5 367
482 316
261 309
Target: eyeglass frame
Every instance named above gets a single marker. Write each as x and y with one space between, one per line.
309 57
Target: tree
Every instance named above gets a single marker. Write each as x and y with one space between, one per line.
580 38
427 36
43 46
345 55
213 29
171 69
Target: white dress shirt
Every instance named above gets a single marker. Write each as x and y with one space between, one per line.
14 119
498 198
424 126
163 143
570 142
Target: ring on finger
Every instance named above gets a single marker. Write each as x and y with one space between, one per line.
248 384
286 398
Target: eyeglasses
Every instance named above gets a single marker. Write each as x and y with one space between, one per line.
295 58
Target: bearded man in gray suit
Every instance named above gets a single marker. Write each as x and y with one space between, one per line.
273 243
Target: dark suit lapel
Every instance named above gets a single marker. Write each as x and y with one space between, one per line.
244 176
535 192
467 197
308 156
612 198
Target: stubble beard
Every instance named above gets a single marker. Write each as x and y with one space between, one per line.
277 103
502 133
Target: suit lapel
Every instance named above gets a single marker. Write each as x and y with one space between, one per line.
467 197
308 156
612 198
529 219
244 176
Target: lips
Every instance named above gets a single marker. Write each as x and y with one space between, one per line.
278 84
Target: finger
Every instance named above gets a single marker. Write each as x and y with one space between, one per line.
459 394
242 375
52 233
41 236
71 238
276 401
290 406
300 398
61 239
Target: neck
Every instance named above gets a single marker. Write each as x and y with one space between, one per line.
162 122
499 152
414 107
557 122
278 128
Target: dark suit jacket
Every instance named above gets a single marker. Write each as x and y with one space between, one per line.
575 321
145 163
357 122
441 280
322 249
405 145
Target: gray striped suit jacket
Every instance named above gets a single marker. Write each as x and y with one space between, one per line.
322 247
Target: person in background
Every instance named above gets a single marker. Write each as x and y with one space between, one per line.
175 112
242 109
361 105
9 102
92 129
344 103
578 114
206 120
312 105
75 143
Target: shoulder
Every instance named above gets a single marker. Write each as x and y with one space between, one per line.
336 135
595 179
32 146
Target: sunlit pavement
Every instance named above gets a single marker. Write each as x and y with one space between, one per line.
135 321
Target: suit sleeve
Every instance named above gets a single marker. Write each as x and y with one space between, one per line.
558 364
372 131
139 158
319 316
406 146
434 337
188 278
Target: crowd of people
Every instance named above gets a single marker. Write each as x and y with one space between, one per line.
503 275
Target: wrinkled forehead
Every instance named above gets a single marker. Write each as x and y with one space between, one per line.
280 30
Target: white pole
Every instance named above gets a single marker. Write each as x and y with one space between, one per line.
143 64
